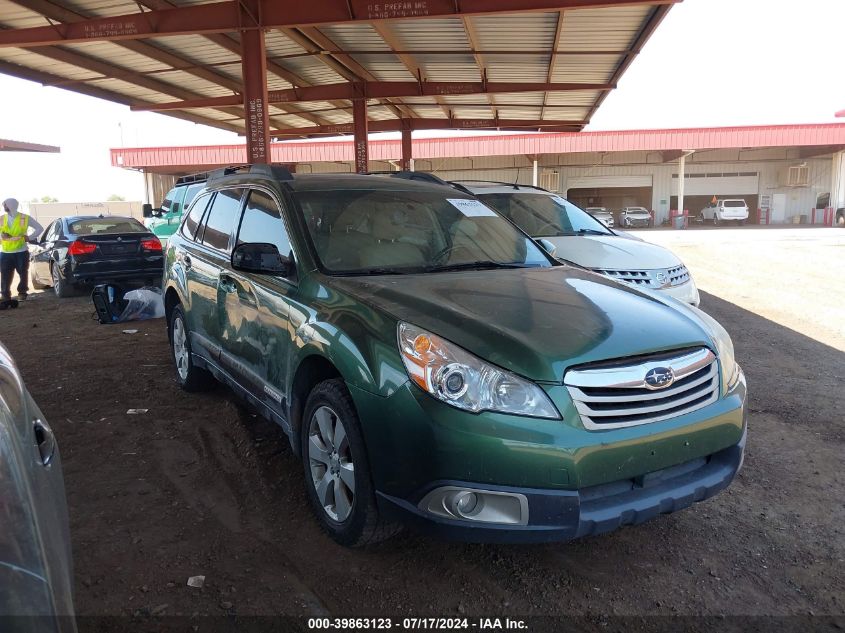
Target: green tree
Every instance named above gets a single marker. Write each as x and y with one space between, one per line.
115 198
49 199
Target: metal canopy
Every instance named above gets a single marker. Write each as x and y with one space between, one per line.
7 145
254 66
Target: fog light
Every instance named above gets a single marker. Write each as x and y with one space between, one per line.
465 502
477 506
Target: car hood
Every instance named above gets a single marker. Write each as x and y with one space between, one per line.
612 252
535 322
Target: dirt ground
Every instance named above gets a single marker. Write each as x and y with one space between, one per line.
199 485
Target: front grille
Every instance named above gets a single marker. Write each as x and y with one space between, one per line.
616 395
654 278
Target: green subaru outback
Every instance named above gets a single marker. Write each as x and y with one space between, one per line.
432 365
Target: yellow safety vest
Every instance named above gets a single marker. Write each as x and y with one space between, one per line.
17 229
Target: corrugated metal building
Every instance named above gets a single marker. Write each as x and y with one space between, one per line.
785 170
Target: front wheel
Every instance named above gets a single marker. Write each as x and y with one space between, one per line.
337 473
189 376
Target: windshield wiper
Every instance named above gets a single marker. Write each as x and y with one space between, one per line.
591 232
373 271
476 265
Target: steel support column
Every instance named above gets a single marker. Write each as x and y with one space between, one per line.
407 147
254 67
359 120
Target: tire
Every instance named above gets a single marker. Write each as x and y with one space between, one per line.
61 287
190 377
35 283
348 513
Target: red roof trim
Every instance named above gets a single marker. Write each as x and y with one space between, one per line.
502 145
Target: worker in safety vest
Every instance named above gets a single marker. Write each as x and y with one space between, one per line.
15 227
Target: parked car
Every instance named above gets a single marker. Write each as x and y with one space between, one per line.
581 238
733 209
164 220
602 214
632 217
86 250
432 365
36 570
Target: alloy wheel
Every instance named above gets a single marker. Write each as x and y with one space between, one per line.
180 348
57 279
330 461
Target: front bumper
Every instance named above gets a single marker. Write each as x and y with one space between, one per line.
563 515
576 482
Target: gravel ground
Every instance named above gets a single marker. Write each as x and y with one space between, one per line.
199 485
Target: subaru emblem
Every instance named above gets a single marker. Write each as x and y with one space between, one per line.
659 378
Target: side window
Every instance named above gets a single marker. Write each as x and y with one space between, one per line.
191 192
189 226
52 232
262 223
221 218
168 199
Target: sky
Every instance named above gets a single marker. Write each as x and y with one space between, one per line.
710 63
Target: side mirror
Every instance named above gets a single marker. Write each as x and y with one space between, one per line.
263 259
550 248
147 210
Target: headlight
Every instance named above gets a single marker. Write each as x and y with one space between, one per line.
458 378
724 349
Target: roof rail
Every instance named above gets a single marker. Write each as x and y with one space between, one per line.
192 178
410 175
515 185
277 172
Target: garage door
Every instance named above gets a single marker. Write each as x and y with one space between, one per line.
720 185
601 182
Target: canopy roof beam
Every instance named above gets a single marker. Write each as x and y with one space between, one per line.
385 90
223 17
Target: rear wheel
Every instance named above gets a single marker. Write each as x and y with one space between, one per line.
189 376
337 473
61 287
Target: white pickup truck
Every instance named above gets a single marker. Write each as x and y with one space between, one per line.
734 209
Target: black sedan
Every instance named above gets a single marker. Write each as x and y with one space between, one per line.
85 250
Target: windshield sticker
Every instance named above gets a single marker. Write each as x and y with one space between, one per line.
471 208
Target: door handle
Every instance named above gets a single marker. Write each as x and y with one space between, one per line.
186 260
45 440
226 283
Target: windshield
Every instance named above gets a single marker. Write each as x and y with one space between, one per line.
383 232
106 225
544 215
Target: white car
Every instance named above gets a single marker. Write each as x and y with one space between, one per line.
734 209
634 217
580 238
602 214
